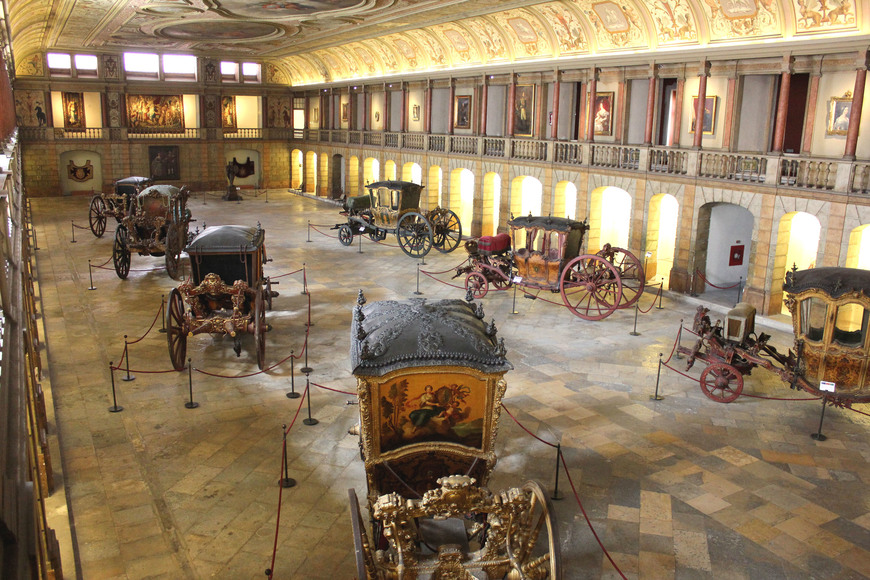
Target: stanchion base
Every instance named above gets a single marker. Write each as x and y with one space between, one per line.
305 293
287 482
515 312
128 378
660 307
656 398
417 292
115 409
163 330
306 370
293 395
819 436
557 496
633 333
92 288
311 421
309 324
191 405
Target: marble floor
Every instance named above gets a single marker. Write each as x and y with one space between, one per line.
681 487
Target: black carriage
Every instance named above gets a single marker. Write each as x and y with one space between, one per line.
394 207
157 226
430 380
544 253
830 309
226 293
116 204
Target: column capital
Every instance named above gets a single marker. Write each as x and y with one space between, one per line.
704 68
863 59
788 64
593 74
653 70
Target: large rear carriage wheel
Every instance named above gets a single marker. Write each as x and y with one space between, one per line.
591 287
630 273
447 230
721 382
121 253
364 557
176 334
414 234
97 216
533 539
260 327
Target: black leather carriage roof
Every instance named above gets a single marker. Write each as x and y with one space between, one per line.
399 185
227 239
392 334
834 282
132 180
548 223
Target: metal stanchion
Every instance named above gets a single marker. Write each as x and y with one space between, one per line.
360 242
514 307
739 291
679 338
304 280
661 291
129 377
818 436
309 231
286 481
658 397
90 277
292 394
163 312
266 192
73 227
309 421
190 404
556 495
692 292
635 332
114 408
417 292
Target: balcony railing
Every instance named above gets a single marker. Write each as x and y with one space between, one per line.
615 156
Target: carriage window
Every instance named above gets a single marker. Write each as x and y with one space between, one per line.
851 326
813 314
534 240
553 247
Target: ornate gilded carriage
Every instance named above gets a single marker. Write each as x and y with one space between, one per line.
226 293
116 204
394 207
430 383
157 226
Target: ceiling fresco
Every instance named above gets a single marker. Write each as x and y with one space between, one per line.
317 41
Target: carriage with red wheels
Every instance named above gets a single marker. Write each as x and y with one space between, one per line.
830 310
544 253
226 293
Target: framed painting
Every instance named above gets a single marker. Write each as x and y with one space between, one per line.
228 113
73 111
462 115
163 162
602 120
524 110
155 112
345 111
709 125
839 111
415 113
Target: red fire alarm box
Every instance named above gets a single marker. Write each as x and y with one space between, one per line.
736 257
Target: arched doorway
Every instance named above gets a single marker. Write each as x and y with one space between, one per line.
338 174
433 199
565 202
295 169
412 172
609 218
371 170
310 183
661 237
390 170
353 176
462 196
491 204
722 247
323 177
526 197
797 245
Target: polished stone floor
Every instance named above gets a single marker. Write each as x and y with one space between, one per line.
681 487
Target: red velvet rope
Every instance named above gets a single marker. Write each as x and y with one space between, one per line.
659 293
321 233
334 390
524 428
156 316
453 269
698 272
285 274
80 227
103 264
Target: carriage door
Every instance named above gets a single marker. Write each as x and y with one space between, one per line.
846 357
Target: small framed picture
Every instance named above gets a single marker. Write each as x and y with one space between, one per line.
839 111
73 111
415 113
344 111
709 125
524 110
602 120
462 108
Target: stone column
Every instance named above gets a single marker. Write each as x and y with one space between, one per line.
404 116
387 101
590 106
451 112
782 106
554 127
484 91
812 103
699 108
857 105
512 96
650 107
428 112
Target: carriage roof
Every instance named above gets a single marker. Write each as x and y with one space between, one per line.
551 223
227 239
833 281
133 180
390 335
167 191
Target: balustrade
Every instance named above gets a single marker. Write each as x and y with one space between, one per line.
808 173
463 145
414 141
493 147
670 161
570 153
373 139
391 140
733 167
615 156
529 150
860 179
438 143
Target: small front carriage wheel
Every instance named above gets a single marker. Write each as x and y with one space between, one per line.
721 382
97 216
414 234
345 235
260 326
176 334
476 283
121 253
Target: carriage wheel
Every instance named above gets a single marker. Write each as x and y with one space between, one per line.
414 234
630 272
121 253
345 235
476 283
721 382
172 255
532 542
175 333
448 230
97 216
268 294
365 560
591 287
260 327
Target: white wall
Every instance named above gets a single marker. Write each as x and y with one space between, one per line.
80 158
637 110
757 110
730 225
716 87
495 111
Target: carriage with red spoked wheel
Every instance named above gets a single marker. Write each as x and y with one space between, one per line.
226 293
830 310
544 253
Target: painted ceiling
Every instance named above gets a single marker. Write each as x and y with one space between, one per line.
318 41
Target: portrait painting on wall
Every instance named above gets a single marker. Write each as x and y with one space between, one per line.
602 119
155 111
709 125
462 106
415 113
344 111
228 113
73 111
416 408
524 110
839 110
163 162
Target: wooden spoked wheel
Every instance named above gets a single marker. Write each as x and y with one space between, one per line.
447 230
121 253
721 382
476 284
172 255
268 294
414 234
364 558
532 542
630 273
345 235
97 216
176 335
260 327
591 287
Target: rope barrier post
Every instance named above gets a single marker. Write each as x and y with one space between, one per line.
309 421
661 291
90 276
818 436
163 313
73 227
304 280
191 404
514 307
266 192
359 235
635 332
292 394
658 397
129 377
286 481
33 231
114 408
739 291
309 232
306 369
203 197
417 291
556 495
